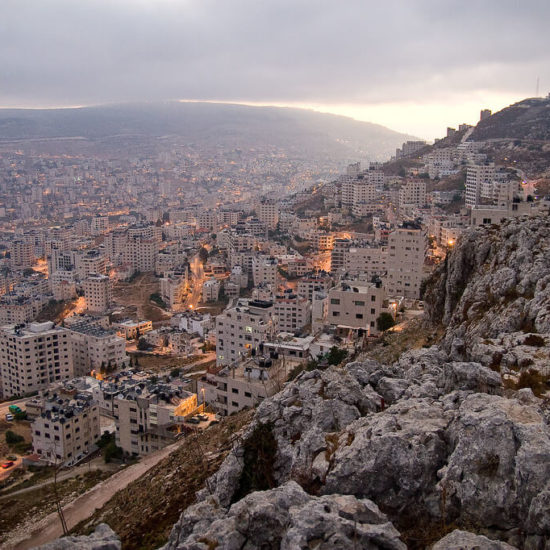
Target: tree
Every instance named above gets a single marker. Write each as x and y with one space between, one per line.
12 438
142 345
384 322
203 255
336 355
174 373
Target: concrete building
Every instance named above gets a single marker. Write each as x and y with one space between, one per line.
233 389
94 347
412 193
67 428
97 292
242 328
211 290
33 357
264 270
268 213
367 260
21 254
173 287
130 330
99 225
406 254
293 312
147 415
307 285
355 308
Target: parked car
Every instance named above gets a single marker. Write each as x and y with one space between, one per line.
9 417
6 465
194 420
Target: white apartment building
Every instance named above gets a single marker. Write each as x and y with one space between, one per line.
242 328
368 260
309 284
338 254
268 213
66 429
141 253
211 290
146 417
173 288
353 307
63 285
199 323
33 357
293 312
99 225
231 390
97 291
264 270
406 254
479 182
412 193
94 347
21 254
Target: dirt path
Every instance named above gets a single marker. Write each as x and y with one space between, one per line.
49 528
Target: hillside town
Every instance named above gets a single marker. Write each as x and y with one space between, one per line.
242 284
140 305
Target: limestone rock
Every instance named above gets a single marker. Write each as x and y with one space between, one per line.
103 538
463 540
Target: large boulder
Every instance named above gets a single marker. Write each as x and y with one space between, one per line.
463 540
285 518
103 538
498 464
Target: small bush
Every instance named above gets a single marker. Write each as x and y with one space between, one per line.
384 322
260 450
534 340
12 438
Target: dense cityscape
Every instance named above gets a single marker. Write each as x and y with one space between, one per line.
274 276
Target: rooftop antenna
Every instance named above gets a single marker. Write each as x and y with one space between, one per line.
538 82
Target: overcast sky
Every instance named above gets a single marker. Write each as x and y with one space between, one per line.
413 65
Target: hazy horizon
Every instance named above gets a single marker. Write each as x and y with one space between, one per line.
412 67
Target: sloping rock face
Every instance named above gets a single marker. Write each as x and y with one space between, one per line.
429 441
492 294
103 538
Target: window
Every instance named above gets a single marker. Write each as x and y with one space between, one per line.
358 315
234 390
336 314
335 301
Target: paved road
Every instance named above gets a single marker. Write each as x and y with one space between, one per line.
5 406
62 476
83 507
198 279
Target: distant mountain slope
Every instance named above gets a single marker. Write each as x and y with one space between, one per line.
527 119
208 122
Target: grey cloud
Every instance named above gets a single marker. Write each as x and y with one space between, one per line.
59 52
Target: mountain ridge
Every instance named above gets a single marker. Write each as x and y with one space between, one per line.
204 121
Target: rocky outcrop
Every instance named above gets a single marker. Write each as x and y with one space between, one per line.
493 295
462 540
429 441
287 518
103 538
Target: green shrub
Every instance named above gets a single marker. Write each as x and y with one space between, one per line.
12 438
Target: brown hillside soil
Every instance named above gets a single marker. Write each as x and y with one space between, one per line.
143 513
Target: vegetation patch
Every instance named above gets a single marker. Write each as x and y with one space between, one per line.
260 450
